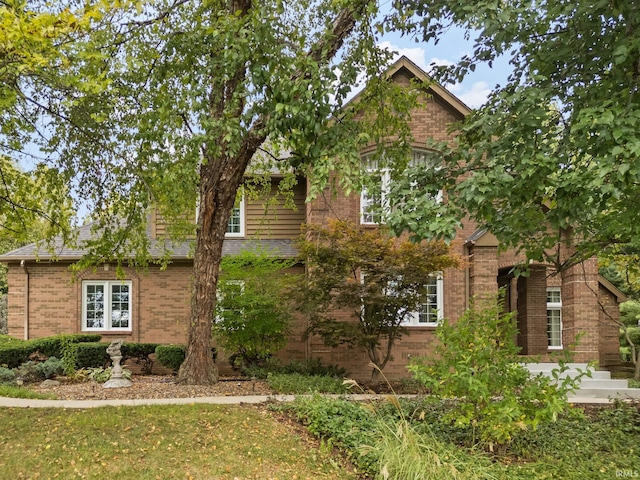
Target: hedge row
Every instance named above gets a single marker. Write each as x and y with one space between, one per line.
89 351
14 352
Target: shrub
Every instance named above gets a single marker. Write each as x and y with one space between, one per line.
28 372
634 335
92 354
295 383
52 346
14 353
477 364
172 356
50 368
7 375
252 316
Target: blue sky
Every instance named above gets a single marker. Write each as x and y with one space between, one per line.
476 87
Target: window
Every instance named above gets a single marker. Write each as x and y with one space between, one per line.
229 290
106 305
430 311
554 318
373 199
235 227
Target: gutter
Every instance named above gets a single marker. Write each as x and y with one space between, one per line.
23 265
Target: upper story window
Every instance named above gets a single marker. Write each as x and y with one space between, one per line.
106 305
554 318
235 227
374 204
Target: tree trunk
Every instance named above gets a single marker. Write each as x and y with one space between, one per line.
219 183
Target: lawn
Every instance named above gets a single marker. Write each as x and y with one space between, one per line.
159 442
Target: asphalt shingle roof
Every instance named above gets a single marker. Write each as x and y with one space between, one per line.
180 251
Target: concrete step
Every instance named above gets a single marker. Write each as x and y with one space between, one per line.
598 385
621 393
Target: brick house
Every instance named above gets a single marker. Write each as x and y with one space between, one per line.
154 305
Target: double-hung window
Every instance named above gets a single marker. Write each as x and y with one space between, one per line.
554 318
235 227
429 311
106 305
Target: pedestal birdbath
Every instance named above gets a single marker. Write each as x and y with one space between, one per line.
117 380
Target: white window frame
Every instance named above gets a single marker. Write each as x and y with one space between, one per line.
554 308
241 219
107 305
413 318
418 157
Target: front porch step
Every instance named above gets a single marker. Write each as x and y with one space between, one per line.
599 385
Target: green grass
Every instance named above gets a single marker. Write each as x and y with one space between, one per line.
21 392
181 442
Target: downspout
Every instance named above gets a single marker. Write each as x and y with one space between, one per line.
23 265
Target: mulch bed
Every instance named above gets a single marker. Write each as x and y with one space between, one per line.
154 386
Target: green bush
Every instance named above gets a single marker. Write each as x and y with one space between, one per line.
252 316
93 354
296 383
52 346
477 364
634 335
7 375
13 354
50 368
172 356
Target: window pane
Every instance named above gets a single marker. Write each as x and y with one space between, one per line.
554 327
95 306
234 221
119 306
553 296
428 311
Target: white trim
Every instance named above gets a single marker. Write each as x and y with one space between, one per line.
107 305
242 219
413 319
553 306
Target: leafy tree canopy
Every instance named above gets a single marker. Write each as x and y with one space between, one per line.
553 151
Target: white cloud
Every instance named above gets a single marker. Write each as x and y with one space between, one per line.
475 96
417 55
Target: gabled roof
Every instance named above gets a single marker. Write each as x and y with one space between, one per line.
404 65
180 251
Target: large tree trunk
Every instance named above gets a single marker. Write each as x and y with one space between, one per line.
219 182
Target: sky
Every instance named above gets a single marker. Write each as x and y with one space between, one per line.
473 91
